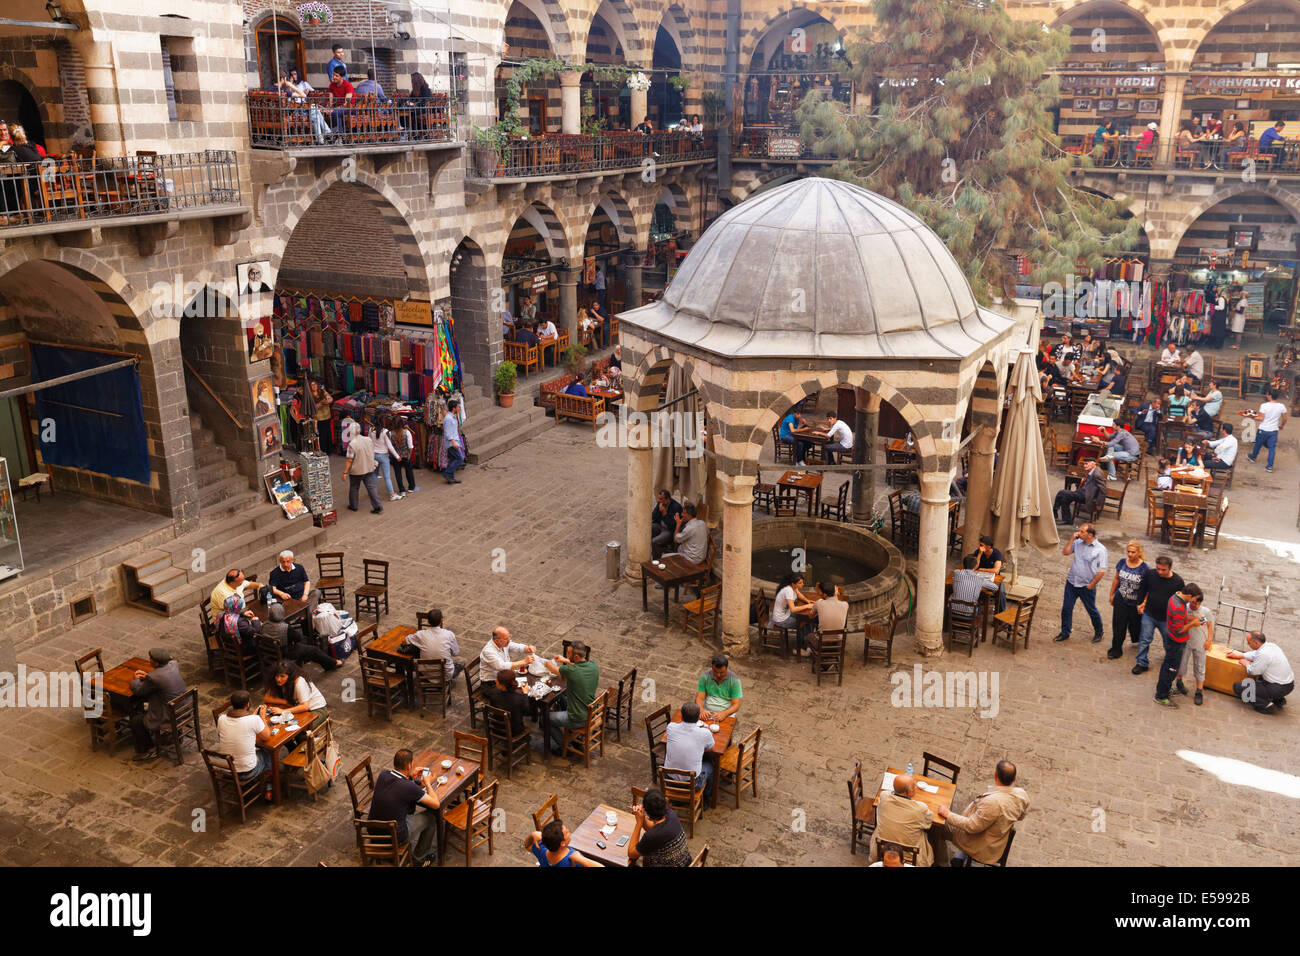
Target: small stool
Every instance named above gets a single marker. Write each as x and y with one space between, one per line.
34 481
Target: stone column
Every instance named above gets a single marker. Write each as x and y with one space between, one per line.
1170 110
640 500
979 487
102 95
568 303
714 492
738 539
865 427
638 106
632 280
931 563
571 102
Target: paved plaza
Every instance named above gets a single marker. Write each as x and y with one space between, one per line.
1105 767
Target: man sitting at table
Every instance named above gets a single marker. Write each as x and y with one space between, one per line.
581 677
495 655
399 796
831 610
504 694
546 330
1121 446
692 536
435 642
1169 356
902 819
1091 493
525 336
968 584
341 90
663 523
550 845
1195 365
718 692
1065 349
150 693
657 839
290 580
1147 419
794 419
688 742
980 833
233 583
1271 677
1222 452
239 731
987 557
290 646
371 85
839 438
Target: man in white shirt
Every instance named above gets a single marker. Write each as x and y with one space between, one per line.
435 641
362 468
495 655
839 439
688 742
546 330
1271 417
239 731
1223 451
1195 365
692 535
831 610
1170 355
1273 677
451 441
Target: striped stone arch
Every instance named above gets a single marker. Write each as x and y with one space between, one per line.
285 11
620 212
686 37
780 17
649 372
1286 198
1224 9
624 23
557 235
985 397
124 302
768 177
564 40
417 248
45 97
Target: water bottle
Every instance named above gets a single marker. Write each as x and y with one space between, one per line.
909 768
910 440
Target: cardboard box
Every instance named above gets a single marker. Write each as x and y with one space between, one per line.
1221 672
326 519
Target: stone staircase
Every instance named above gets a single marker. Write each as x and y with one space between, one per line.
238 528
491 429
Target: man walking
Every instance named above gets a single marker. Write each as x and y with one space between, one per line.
362 468
451 439
1179 617
1153 596
1271 417
1086 570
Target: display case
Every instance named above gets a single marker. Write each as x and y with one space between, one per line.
11 552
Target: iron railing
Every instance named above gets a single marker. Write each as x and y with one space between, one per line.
563 154
321 121
1201 155
75 189
756 142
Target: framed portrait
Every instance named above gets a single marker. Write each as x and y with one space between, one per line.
260 341
1105 106
1148 106
1083 105
1095 91
263 396
1255 368
254 277
1243 104
269 437
1124 106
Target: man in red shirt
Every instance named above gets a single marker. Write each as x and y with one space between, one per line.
1180 617
340 90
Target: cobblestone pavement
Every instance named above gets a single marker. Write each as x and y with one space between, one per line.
1100 760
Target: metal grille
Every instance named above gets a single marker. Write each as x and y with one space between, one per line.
277 123
579 153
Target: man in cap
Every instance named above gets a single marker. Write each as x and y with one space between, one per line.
150 692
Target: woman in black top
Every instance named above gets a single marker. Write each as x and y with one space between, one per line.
419 88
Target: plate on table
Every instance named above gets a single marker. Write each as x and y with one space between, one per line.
715 727
446 765
442 778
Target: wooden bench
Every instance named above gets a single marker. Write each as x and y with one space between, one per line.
586 408
550 389
524 356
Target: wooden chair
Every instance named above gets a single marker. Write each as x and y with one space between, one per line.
474 690
1155 510
771 637
295 764
933 766
826 651
361 787
1006 852
432 683
907 854
620 710
1183 519
840 510
738 767
374 591
525 357
503 743
548 811
785 504
182 723
1013 624
474 747
382 687
330 581
700 617
110 727
227 785
1214 523
581 741
564 650
211 646
682 797
239 663
1228 373
656 728
701 858
378 844
782 450
965 624
269 655
1115 498
880 633
469 824
862 814
764 492
1060 451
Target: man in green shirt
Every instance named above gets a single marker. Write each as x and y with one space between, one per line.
581 678
718 692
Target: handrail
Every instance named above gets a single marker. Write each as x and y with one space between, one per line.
208 388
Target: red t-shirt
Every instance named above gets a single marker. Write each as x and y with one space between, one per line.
1179 619
342 88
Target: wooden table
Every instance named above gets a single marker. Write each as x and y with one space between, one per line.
1167 510
987 593
281 737
558 684
675 572
386 645
117 682
812 435
550 341
293 610
453 788
584 837
721 741
901 445
1221 672
1191 476
807 485
947 790
610 395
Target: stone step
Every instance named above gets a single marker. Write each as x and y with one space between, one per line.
215 472
219 491
487 428
503 442
241 533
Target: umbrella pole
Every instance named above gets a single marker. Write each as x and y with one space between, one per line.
1015 565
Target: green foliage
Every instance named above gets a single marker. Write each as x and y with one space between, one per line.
504 378
962 135
679 83
575 357
592 124
714 104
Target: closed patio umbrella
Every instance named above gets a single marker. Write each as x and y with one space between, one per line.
307 408
1020 502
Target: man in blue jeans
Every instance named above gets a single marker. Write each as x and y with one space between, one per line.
1271 417
451 440
688 742
1153 596
1086 570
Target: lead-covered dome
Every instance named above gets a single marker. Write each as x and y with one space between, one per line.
819 268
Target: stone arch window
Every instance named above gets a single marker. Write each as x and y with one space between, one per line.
270 31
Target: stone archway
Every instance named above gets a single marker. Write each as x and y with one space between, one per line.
478 329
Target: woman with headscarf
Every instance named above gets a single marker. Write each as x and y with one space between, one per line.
238 622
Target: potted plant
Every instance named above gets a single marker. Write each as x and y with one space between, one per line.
503 379
575 359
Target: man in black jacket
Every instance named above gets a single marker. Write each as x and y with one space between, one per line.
663 523
504 695
295 650
150 692
1091 493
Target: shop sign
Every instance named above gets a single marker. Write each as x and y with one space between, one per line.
1199 84
784 147
1142 81
539 282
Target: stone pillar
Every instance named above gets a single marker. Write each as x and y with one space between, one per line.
571 102
632 280
640 500
102 95
738 539
865 427
568 318
979 487
1170 111
638 106
714 492
931 563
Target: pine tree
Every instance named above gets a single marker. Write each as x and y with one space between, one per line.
962 135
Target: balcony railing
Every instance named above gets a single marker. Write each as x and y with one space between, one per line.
321 121
772 142
75 189
1202 156
570 154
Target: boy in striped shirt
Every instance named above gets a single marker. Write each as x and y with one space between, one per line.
1181 617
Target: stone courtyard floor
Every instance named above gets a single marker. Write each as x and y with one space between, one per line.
1104 765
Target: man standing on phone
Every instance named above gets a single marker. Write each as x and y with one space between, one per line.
1200 635
1180 616
1086 570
